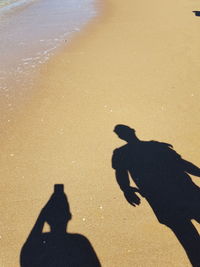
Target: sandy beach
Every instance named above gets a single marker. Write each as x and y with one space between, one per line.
137 64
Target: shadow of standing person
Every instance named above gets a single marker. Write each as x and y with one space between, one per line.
161 176
57 248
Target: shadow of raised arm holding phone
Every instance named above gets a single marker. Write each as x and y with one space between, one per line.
57 248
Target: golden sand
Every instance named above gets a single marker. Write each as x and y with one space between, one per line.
138 64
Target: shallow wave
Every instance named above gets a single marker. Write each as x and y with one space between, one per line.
29 38
6 5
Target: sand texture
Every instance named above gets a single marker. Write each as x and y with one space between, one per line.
138 64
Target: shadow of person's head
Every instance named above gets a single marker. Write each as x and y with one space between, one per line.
125 133
57 210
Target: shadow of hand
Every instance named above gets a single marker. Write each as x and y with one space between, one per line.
131 197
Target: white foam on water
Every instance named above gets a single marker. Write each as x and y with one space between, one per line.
7 5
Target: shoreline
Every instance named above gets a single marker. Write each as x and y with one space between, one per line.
32 36
18 89
126 67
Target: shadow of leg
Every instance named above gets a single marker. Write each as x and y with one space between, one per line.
189 239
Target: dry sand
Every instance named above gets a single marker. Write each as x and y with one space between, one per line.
137 64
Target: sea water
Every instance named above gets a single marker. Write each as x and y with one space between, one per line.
32 30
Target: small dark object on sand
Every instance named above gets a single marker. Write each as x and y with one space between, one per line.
197 13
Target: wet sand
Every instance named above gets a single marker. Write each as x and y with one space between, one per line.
138 64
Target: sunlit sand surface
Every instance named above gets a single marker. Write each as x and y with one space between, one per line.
138 64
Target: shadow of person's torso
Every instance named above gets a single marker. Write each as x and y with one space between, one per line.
53 250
